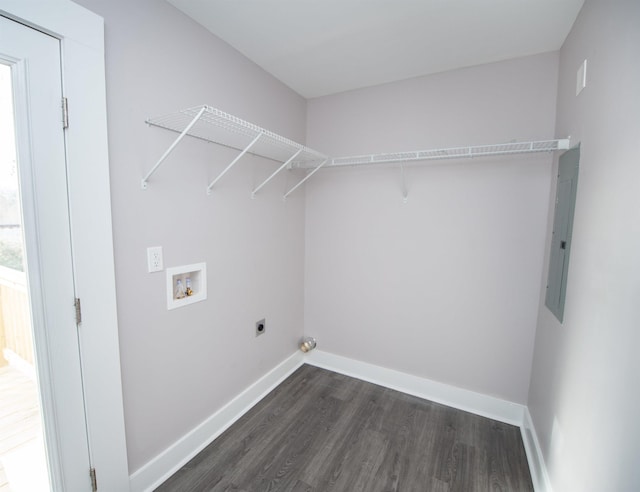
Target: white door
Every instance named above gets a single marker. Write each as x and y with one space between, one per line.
35 64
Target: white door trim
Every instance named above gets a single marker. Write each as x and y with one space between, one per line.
81 34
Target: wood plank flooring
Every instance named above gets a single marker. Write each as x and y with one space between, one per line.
321 431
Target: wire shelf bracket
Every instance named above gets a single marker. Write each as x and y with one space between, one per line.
171 147
403 183
315 170
233 162
286 163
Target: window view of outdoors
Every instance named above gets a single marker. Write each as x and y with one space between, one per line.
10 227
23 466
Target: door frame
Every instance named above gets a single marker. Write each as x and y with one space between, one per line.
81 35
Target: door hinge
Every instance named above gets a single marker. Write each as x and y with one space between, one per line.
94 480
76 303
65 113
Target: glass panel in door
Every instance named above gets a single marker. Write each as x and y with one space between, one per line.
23 465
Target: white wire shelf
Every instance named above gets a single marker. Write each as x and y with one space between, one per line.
212 125
448 153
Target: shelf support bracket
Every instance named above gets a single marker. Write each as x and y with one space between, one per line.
233 162
289 161
315 170
403 182
173 146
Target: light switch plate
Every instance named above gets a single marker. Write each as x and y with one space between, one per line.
154 259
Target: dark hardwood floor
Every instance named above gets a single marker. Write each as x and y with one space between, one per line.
321 431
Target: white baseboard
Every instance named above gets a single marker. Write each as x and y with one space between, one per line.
469 401
156 471
160 468
537 467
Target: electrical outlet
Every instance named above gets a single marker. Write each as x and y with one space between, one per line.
261 327
154 259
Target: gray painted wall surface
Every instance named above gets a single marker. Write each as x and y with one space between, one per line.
445 286
584 396
180 366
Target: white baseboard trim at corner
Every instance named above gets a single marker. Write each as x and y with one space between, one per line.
469 401
537 467
160 468
156 471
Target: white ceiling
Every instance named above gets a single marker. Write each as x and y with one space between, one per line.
320 47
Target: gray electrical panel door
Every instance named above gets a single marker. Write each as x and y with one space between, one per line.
562 227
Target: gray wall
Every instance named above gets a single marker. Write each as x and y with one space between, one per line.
584 397
180 366
445 286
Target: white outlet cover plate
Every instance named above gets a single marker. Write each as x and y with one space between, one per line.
154 259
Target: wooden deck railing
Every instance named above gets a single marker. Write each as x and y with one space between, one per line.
15 321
